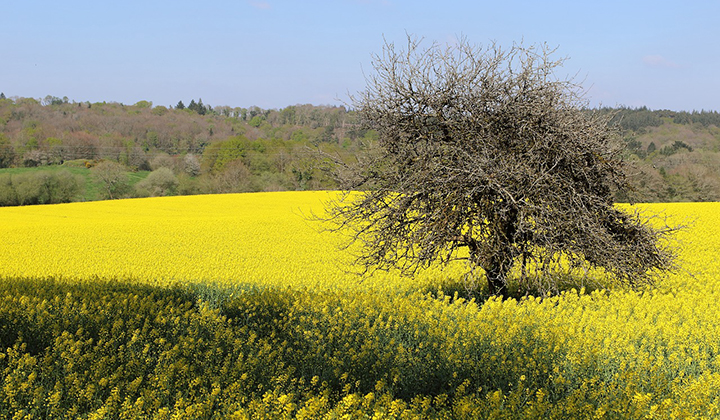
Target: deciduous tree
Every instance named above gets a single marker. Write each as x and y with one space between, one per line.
159 182
112 177
485 154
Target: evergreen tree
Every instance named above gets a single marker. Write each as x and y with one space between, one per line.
651 147
180 105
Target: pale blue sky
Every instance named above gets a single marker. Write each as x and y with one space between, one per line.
276 53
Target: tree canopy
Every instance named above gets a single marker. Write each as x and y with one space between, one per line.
484 154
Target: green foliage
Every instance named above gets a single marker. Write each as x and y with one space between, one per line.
159 110
198 107
159 182
34 134
219 154
675 147
29 189
112 178
62 186
704 118
8 196
637 119
634 146
651 148
256 121
152 140
39 187
143 104
54 100
7 153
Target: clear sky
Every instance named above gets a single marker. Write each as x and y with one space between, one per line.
275 53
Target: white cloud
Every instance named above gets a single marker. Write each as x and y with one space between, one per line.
659 61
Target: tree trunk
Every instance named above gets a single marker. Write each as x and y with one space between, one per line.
496 273
502 259
496 266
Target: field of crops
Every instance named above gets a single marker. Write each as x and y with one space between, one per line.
239 306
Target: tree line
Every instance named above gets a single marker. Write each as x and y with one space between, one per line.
216 149
642 118
204 149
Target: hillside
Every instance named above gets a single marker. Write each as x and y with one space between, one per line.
221 149
674 155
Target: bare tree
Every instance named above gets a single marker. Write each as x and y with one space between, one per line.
485 154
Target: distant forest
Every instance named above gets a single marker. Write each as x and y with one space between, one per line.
194 148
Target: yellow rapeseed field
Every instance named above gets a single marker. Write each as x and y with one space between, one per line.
611 353
263 238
